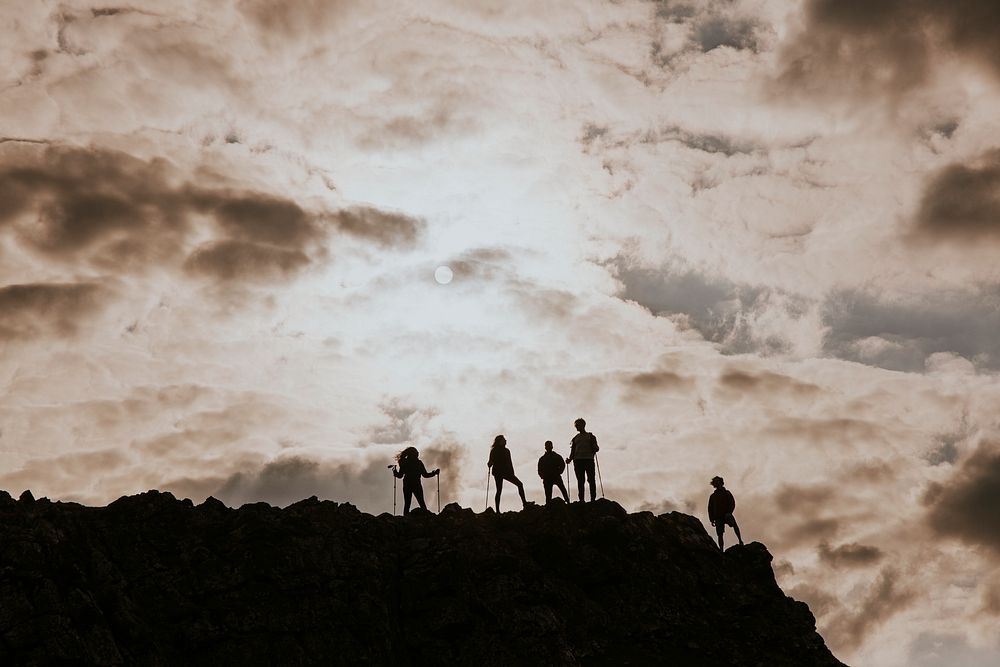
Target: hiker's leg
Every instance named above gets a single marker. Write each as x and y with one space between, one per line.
547 485
720 527
580 471
736 529
407 493
499 481
520 488
562 488
590 478
419 493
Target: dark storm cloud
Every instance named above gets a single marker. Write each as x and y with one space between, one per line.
711 25
115 211
48 309
965 506
713 305
962 202
886 46
744 381
961 322
242 261
262 219
657 381
886 597
382 228
849 555
793 497
736 33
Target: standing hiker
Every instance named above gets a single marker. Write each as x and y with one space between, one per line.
582 452
721 505
503 469
410 469
550 469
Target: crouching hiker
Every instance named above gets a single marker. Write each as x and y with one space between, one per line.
410 469
721 505
550 469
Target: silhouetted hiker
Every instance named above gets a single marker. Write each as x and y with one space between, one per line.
550 469
582 453
503 469
720 509
410 470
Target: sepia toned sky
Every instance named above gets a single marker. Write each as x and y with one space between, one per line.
754 238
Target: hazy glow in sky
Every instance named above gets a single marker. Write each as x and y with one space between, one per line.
252 249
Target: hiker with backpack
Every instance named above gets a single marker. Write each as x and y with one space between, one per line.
410 469
582 452
550 469
502 468
721 505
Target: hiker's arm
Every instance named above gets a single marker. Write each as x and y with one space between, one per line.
423 471
397 472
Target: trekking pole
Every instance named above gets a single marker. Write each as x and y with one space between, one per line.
487 488
439 491
598 464
393 492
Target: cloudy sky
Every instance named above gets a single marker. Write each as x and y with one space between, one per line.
754 238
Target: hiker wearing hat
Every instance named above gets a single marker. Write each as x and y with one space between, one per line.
720 509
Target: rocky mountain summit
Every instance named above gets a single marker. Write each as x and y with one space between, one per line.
152 580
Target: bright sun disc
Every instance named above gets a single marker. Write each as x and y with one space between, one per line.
443 275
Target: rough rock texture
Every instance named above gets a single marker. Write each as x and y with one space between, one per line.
151 580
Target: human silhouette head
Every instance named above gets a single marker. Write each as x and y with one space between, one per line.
409 452
718 482
548 445
580 424
499 441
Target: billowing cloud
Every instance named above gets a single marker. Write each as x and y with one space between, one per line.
739 381
49 309
962 202
902 333
660 380
112 210
964 506
850 555
854 47
886 596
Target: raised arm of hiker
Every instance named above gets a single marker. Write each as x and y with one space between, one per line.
432 473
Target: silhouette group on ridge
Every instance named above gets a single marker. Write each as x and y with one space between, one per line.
551 465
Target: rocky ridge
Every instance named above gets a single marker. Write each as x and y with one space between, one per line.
152 580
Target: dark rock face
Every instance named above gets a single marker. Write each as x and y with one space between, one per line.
151 580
